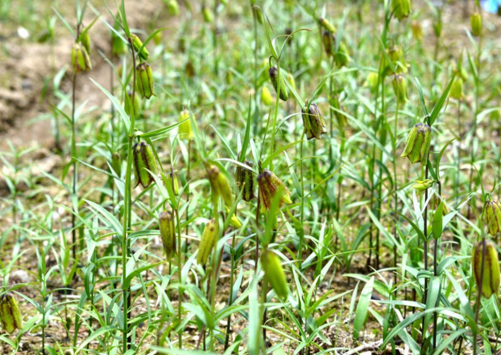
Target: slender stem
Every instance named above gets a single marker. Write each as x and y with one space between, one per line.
74 160
179 265
395 182
425 249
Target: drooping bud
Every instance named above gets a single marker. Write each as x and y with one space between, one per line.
417 31
136 105
85 40
423 185
144 80
167 232
80 58
207 14
476 23
418 144
395 53
278 83
145 164
488 280
220 185
274 273
137 43
456 91
118 46
184 128
327 25
372 81
401 8
492 212
172 182
245 181
189 70
266 97
207 241
341 57
290 79
116 163
399 84
327 40
173 7
234 221
314 123
256 12
269 186
10 315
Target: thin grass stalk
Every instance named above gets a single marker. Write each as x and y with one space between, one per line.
425 249
395 206
179 265
435 267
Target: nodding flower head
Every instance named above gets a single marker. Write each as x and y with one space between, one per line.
418 144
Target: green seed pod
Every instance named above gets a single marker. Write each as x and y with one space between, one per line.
116 163
327 40
341 57
144 80
85 40
456 91
10 315
278 82
145 164
417 31
207 14
492 212
423 185
274 273
173 7
245 181
269 185
80 58
327 25
401 8
314 123
167 232
266 97
399 84
136 104
184 128
220 185
489 283
476 23
418 144
137 43
208 241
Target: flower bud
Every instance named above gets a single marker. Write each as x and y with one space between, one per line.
145 164
401 8
118 46
189 70
173 7
80 58
456 91
10 315
116 163
207 241
423 185
417 31
256 12
274 273
168 181
234 221
144 80
395 53
266 97
137 43
341 57
207 14
418 144
184 128
245 181
220 185
372 81
399 84
85 40
314 123
492 212
327 25
278 82
136 105
290 79
327 40
489 283
476 23
269 186
167 232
